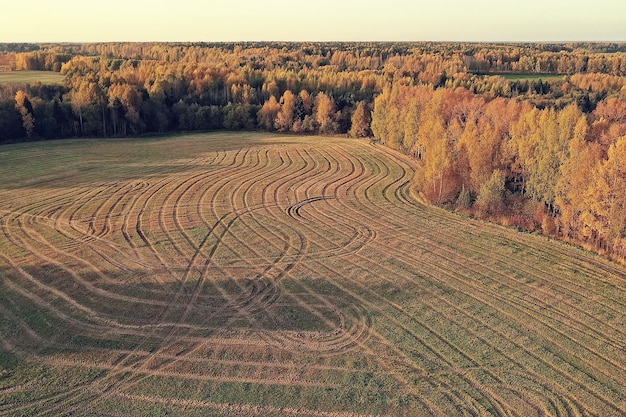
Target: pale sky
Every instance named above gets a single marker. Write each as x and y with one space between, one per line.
319 20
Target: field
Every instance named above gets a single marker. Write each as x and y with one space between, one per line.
528 77
30 77
247 274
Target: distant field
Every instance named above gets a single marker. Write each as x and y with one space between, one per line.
245 274
29 77
528 77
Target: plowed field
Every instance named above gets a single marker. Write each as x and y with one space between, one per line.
254 275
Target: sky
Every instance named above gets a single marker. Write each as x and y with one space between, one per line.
319 20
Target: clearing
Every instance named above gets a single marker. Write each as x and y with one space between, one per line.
31 77
511 76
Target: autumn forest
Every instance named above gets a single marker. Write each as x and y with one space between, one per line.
532 136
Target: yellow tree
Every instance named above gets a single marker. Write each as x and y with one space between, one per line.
502 114
307 102
604 215
361 120
394 122
545 164
285 117
568 120
491 195
575 176
130 99
84 96
412 126
555 130
267 114
303 120
379 116
23 104
524 143
325 114
389 116
412 113
469 144
435 171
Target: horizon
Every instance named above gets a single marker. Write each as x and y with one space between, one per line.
483 21
338 41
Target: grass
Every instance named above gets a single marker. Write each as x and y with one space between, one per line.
528 77
31 77
8 361
203 275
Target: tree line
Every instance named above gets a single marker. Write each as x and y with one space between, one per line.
560 171
120 89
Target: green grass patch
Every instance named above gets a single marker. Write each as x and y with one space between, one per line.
31 77
526 77
8 361
296 318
